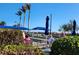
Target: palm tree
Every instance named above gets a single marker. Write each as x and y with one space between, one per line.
24 8
28 7
19 13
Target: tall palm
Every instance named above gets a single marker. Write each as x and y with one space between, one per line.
28 8
19 13
24 8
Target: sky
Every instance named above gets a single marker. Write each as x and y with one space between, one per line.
61 13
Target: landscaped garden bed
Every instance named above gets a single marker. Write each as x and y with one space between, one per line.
20 50
11 43
68 45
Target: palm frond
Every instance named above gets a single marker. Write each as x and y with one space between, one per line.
28 6
19 13
24 8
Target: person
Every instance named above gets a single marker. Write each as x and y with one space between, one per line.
50 41
26 39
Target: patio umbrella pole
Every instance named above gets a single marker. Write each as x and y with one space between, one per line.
46 39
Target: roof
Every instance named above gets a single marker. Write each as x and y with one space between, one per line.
39 28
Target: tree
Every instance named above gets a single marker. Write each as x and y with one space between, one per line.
19 13
24 8
3 23
28 7
65 27
68 27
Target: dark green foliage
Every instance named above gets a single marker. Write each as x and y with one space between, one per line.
68 45
66 27
19 13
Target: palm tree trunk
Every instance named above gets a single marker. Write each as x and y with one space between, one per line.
28 20
50 24
20 21
24 20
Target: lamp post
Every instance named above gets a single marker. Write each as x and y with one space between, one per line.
50 24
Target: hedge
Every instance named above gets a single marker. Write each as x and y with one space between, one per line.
68 45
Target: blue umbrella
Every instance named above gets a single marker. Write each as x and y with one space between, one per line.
47 25
14 27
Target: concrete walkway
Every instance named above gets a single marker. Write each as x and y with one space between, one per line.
42 43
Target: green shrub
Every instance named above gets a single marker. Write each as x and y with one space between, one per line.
11 37
68 45
20 49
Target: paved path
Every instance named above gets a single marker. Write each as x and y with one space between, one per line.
41 43
39 39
